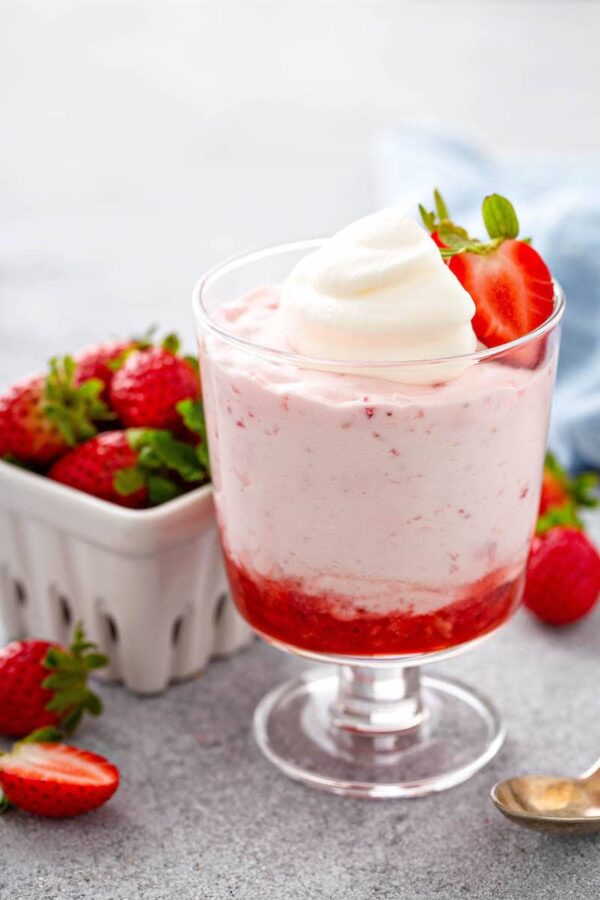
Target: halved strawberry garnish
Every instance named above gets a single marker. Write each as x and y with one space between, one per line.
508 280
512 289
56 780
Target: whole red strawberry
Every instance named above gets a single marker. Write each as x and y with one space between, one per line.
23 700
29 434
554 492
52 779
3 427
44 684
563 576
564 495
146 389
93 467
508 280
43 417
133 468
101 362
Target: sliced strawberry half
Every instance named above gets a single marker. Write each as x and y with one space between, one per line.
512 289
56 780
508 280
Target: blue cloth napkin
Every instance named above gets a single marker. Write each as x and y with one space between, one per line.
558 202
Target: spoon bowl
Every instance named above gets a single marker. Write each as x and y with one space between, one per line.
551 804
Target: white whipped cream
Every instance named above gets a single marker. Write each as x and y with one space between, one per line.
379 291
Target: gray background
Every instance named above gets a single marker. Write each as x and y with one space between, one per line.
142 141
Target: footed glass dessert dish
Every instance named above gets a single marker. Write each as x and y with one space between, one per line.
375 515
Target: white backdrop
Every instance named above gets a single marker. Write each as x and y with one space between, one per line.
144 139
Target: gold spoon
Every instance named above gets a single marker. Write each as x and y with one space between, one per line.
547 803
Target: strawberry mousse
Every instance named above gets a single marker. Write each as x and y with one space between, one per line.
376 469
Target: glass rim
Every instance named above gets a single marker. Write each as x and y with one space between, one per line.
284 356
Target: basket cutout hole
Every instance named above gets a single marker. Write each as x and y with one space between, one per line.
113 631
176 630
20 592
65 610
219 608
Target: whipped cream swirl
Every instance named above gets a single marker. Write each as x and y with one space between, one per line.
379 290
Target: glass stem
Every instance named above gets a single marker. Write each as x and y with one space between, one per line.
373 701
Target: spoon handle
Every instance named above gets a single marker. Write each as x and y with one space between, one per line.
591 771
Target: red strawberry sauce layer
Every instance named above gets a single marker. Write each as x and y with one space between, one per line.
281 610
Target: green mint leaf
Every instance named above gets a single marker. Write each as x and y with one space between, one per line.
5 803
499 217
129 480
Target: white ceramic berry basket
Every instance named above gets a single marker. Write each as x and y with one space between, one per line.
149 586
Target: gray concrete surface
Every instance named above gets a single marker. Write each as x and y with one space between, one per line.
201 815
142 141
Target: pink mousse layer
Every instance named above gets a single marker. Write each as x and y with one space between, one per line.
392 495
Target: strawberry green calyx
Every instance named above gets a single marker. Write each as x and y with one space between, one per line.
573 493
46 735
433 220
165 466
192 413
171 343
499 218
68 682
73 409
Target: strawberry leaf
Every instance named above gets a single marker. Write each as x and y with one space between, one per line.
73 409
171 343
192 413
68 680
565 515
93 704
440 206
428 218
584 489
47 735
71 720
96 661
162 489
129 480
499 217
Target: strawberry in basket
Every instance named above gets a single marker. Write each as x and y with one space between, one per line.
149 397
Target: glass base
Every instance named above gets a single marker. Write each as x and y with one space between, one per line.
381 735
